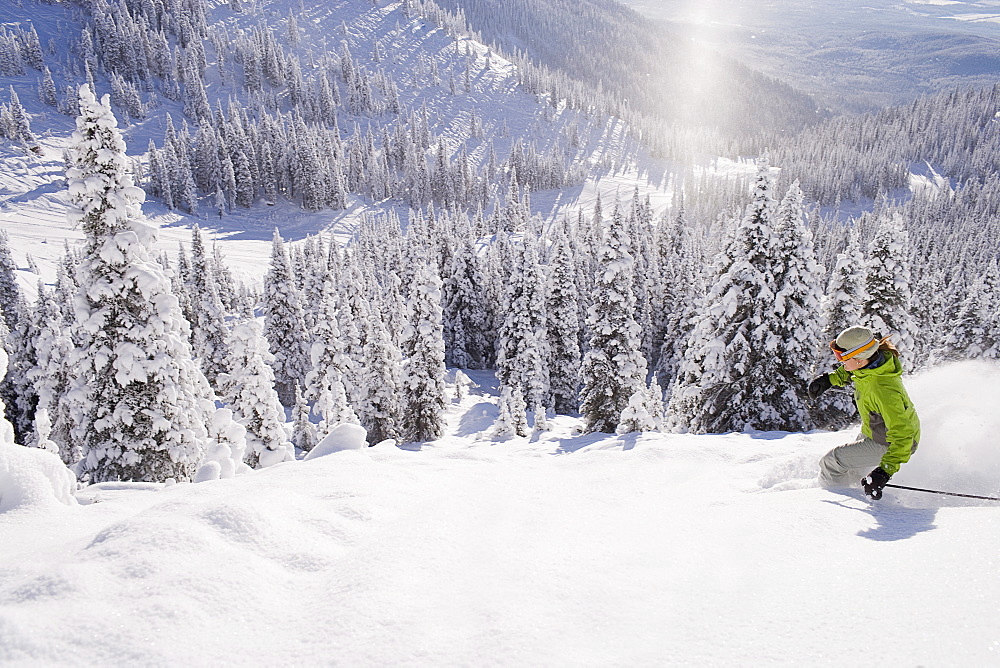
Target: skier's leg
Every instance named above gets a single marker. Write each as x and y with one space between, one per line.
844 465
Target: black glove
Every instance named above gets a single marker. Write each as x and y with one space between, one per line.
874 483
818 386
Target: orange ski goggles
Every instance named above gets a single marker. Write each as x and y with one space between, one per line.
842 354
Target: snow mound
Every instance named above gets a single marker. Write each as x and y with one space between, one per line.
30 477
959 409
343 437
227 445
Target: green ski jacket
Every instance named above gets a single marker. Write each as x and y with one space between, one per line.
887 414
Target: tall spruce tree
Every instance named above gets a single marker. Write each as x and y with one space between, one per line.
614 369
563 327
333 369
522 350
380 405
18 388
423 379
284 323
681 288
10 293
929 302
12 306
248 389
845 293
465 314
797 311
887 285
6 429
974 333
147 401
208 321
729 380
52 373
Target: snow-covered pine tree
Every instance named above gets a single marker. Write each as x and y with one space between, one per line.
284 323
379 402
224 282
355 320
647 273
511 420
208 323
522 347
728 381
845 291
147 401
304 435
929 302
974 333
20 121
841 306
332 368
18 388
657 409
423 379
465 314
614 369
248 389
10 294
887 285
680 290
47 89
563 329
797 320
52 374
322 261
12 310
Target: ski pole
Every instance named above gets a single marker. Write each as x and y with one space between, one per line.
934 491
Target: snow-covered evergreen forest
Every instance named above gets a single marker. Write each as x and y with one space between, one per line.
567 271
705 313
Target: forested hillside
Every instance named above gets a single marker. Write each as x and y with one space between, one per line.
851 158
646 68
705 314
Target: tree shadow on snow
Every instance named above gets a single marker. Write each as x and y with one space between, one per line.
575 443
892 521
478 418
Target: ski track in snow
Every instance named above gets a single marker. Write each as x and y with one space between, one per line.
558 549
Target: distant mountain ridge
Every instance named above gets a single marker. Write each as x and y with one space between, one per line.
660 73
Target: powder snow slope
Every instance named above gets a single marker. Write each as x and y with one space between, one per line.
559 549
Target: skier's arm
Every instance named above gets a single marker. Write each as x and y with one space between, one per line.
840 377
900 430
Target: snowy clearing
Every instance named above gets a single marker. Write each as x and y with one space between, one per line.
560 549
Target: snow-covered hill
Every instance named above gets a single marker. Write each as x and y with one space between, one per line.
486 112
558 549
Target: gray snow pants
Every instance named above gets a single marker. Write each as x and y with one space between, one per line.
847 464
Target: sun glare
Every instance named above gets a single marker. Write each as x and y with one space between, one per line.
704 21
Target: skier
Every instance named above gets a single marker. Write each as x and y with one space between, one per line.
890 429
